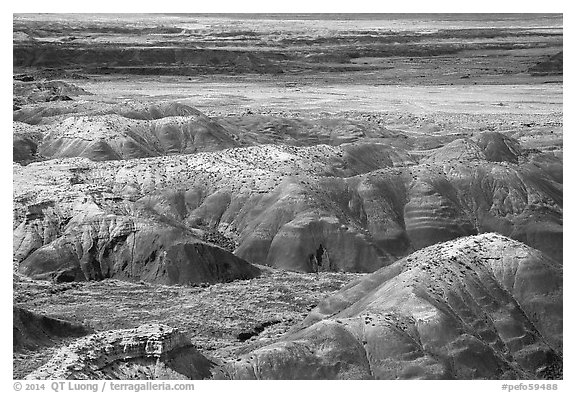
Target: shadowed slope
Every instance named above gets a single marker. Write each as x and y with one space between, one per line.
31 330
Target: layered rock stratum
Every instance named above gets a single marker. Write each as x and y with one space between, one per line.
147 352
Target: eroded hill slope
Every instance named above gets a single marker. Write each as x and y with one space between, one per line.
473 308
353 207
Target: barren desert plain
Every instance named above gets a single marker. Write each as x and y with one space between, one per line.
287 196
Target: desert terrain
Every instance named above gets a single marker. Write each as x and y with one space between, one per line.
264 196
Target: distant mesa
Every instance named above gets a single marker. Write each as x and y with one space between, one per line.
479 307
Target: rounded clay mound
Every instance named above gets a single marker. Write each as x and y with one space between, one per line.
480 307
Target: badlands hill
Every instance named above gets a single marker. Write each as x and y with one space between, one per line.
108 246
479 307
69 230
114 132
353 206
113 137
56 112
299 131
125 130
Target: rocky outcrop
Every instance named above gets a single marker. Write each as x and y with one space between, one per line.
479 307
31 330
147 352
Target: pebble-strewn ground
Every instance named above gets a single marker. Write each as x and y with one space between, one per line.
212 316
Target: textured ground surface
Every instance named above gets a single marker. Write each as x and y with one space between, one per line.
175 152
